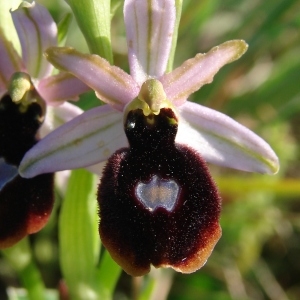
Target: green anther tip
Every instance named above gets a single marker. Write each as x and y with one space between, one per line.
20 85
152 92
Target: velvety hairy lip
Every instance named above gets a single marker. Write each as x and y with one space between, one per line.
181 235
25 204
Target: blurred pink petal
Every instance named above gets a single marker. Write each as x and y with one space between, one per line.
58 88
57 116
37 31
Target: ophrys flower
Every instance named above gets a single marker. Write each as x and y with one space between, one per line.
158 204
29 97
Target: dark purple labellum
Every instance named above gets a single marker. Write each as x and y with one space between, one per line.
17 129
158 203
25 204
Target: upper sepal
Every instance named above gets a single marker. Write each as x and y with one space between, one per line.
149 30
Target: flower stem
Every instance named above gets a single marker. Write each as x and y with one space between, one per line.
93 18
78 237
20 258
178 4
108 273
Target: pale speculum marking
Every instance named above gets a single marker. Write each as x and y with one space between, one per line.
158 192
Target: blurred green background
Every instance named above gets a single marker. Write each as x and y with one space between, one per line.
258 256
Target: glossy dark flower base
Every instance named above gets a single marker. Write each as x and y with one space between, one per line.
136 226
25 204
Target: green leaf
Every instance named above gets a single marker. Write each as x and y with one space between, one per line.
148 290
178 4
6 22
287 187
108 274
20 258
62 28
78 237
93 18
115 4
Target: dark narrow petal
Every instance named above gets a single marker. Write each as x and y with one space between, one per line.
25 204
158 203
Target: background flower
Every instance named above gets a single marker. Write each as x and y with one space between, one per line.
37 31
26 204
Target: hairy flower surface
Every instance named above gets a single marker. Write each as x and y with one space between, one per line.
25 204
158 203
27 92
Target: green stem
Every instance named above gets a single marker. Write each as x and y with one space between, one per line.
288 187
178 4
93 18
20 258
79 239
7 24
108 273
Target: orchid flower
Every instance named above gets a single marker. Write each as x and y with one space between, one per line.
29 96
158 203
